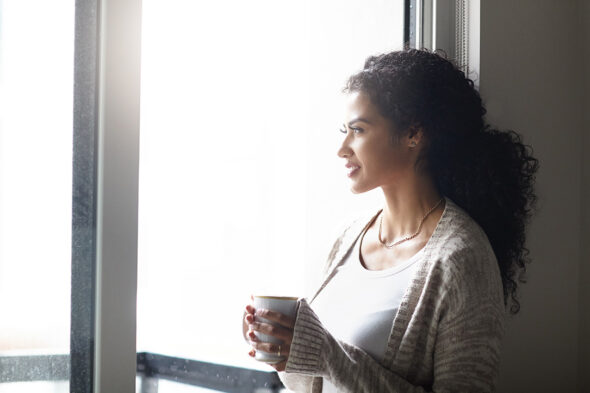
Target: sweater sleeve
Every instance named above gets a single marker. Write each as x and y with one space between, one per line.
315 352
296 382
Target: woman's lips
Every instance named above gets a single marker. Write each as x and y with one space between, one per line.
352 169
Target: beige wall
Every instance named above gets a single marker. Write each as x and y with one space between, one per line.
532 80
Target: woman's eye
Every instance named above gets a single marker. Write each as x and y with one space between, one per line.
353 129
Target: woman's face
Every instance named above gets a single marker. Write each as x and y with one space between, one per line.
373 159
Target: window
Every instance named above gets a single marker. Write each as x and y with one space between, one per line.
240 187
36 90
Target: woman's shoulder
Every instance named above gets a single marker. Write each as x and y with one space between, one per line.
461 244
457 231
463 262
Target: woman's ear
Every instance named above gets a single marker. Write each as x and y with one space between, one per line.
414 136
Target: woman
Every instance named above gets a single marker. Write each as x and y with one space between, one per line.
415 296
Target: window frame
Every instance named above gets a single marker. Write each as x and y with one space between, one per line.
117 177
452 26
105 183
84 176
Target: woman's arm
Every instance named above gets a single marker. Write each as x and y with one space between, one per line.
466 355
315 352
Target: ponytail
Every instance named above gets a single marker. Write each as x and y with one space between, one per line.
492 180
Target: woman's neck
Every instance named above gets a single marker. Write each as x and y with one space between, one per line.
406 205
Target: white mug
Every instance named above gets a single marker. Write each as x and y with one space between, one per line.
284 305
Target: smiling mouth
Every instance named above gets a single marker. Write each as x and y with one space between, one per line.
352 170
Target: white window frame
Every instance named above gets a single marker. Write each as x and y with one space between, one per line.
117 192
451 26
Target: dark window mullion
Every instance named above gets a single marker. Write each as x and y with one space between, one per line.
84 197
410 23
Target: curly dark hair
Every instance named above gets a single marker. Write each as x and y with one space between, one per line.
487 172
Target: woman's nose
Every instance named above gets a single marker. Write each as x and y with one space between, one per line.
344 151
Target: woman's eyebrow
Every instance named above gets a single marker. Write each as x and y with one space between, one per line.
358 119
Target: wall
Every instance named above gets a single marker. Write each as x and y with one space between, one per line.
531 67
584 335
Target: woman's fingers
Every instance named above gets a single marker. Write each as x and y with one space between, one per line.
271 348
279 366
249 318
279 332
277 317
250 309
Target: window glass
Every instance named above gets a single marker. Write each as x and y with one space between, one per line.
175 387
35 387
36 87
241 190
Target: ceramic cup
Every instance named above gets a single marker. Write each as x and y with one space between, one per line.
284 305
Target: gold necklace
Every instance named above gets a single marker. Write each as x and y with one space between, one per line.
405 239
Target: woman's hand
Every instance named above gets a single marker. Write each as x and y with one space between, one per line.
284 332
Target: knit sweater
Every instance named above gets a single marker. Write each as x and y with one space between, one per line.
445 337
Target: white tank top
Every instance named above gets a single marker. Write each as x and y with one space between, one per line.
358 305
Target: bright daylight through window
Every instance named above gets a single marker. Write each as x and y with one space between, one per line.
36 96
241 190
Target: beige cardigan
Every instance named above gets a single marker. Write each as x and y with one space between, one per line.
446 335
